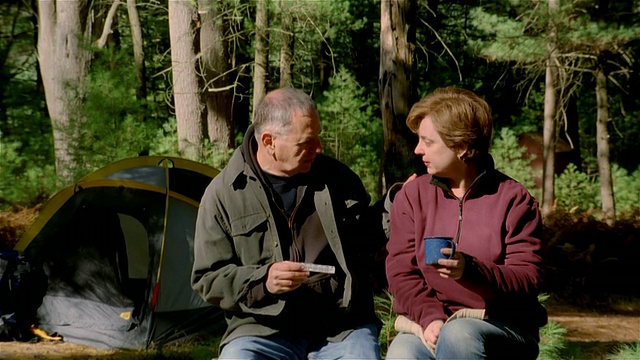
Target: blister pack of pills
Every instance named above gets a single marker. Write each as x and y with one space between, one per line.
326 269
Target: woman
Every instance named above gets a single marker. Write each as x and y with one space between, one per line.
492 280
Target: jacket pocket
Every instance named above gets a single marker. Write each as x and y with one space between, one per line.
250 239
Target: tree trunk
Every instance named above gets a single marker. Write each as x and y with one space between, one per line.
138 49
64 62
571 131
261 53
549 126
219 88
602 142
397 37
288 41
188 107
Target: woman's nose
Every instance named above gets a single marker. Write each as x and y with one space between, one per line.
418 150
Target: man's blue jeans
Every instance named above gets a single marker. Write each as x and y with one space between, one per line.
362 343
466 339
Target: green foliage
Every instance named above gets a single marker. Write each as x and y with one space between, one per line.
23 181
506 38
216 156
551 341
576 190
625 352
626 189
508 157
166 143
350 131
384 311
166 139
116 127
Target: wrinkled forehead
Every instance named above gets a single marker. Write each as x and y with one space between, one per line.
305 122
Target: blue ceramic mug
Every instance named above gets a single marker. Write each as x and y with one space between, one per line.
433 245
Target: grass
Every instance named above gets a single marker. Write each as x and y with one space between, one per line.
626 351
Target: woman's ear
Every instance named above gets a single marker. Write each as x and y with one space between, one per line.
463 154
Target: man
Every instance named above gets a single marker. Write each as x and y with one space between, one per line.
280 203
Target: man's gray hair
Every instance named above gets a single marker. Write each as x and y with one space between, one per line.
276 110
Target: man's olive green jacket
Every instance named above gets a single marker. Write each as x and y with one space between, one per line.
236 240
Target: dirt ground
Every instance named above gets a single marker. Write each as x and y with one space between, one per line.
599 333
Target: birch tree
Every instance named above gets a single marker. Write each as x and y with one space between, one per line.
550 111
216 67
138 48
186 88
261 58
63 31
288 41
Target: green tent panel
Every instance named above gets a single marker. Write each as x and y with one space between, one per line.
117 249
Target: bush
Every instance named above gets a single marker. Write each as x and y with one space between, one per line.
508 158
588 260
24 181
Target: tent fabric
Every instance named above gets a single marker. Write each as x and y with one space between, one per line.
117 249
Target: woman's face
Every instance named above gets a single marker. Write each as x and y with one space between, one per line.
439 159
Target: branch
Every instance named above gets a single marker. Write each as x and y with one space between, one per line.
107 25
445 47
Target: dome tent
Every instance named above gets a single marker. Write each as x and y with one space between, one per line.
117 249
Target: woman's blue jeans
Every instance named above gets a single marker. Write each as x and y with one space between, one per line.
468 338
362 343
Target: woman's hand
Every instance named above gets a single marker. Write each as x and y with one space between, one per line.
432 332
451 268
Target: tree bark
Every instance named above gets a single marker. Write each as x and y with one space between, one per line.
138 49
64 62
550 111
261 54
288 41
397 37
602 142
186 90
218 91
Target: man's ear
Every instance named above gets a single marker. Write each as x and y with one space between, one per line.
267 142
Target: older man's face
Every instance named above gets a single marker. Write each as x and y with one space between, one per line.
296 150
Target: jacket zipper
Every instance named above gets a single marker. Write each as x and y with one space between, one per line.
459 230
299 253
460 201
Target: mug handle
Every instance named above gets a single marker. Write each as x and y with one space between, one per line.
453 248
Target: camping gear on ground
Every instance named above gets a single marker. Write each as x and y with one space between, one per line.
117 249
22 286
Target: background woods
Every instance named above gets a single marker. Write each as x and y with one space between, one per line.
84 83
87 82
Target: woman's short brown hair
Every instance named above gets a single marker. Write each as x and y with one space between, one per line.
461 118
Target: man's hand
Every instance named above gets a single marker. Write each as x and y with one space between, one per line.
285 276
432 332
451 268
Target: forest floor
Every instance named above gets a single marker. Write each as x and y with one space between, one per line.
596 333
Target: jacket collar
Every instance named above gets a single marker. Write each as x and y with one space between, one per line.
486 166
